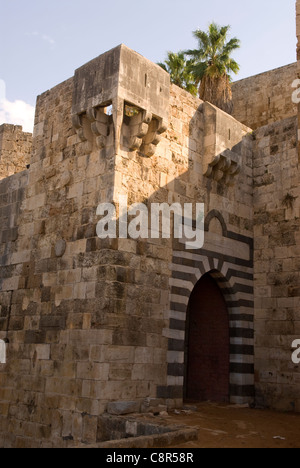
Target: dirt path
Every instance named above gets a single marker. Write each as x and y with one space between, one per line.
227 426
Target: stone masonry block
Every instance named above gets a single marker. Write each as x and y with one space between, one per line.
123 407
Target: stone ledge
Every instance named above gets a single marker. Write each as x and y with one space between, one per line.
141 433
158 441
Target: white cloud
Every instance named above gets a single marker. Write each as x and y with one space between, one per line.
43 37
17 112
48 39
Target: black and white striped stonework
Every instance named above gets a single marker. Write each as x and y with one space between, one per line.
235 278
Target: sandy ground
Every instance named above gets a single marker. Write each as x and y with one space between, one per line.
228 426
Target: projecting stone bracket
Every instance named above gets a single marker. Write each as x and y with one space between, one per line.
93 123
141 132
121 78
224 167
145 133
99 125
156 128
77 124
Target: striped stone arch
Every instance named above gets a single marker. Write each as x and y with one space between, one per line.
234 276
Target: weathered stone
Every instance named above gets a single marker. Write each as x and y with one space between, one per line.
15 150
98 324
60 247
266 98
123 407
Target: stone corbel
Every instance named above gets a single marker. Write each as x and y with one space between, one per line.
99 125
156 128
145 132
144 129
139 127
224 167
77 124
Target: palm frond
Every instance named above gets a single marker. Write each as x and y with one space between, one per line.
213 64
162 65
209 65
179 68
232 45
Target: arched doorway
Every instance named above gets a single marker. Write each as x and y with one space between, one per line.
207 351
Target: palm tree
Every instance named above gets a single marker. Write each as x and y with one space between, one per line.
211 65
180 70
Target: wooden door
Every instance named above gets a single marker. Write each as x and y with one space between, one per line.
208 344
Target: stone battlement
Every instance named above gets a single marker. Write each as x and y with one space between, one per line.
15 149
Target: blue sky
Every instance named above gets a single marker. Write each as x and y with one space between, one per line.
43 42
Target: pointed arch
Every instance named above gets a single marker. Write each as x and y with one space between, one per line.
212 215
235 279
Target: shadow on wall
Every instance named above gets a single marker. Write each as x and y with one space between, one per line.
227 255
210 161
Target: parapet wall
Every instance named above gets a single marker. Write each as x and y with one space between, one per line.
266 98
15 150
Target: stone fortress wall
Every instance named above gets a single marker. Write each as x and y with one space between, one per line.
264 102
266 98
15 150
93 321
